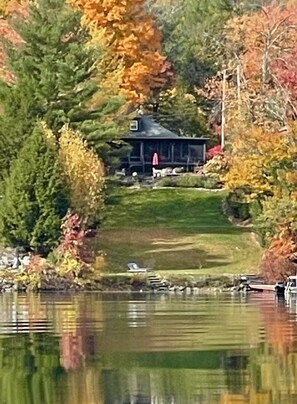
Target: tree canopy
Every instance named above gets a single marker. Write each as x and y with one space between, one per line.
52 77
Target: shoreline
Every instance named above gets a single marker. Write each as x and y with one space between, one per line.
50 281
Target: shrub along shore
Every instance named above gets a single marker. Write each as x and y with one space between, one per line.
49 280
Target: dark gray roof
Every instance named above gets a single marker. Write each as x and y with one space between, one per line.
149 128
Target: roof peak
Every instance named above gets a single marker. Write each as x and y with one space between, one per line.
147 126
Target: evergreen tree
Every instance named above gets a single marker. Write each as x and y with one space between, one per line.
54 79
34 199
181 112
193 34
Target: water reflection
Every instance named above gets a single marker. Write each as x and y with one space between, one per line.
97 348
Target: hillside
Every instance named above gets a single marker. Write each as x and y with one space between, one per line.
178 230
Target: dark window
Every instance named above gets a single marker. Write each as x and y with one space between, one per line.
180 152
195 154
135 152
165 152
149 149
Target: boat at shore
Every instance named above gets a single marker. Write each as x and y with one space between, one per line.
291 285
254 283
262 287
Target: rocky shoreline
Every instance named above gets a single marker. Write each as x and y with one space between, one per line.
49 280
28 278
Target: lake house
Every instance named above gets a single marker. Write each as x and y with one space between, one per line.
153 145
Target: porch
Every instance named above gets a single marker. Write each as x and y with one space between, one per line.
178 152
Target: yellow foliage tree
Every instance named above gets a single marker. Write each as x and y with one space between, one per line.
132 44
263 170
9 6
261 163
84 174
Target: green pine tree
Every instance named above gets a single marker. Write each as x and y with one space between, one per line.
55 79
194 34
180 112
34 199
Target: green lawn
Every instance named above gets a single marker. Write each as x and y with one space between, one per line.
178 230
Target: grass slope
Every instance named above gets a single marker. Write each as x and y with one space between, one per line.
177 230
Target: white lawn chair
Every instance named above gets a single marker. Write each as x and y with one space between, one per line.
133 267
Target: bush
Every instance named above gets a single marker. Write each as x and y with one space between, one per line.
167 182
74 254
279 260
217 166
214 151
189 181
263 228
238 209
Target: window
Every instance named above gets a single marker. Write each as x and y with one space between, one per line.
195 153
134 125
180 152
165 151
149 149
135 152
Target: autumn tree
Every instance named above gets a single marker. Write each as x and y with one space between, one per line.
7 33
194 35
132 44
261 38
256 83
260 163
285 74
279 260
84 174
8 6
264 44
260 106
262 173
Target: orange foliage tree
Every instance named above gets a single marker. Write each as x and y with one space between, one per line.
266 36
264 46
260 78
279 260
132 44
9 9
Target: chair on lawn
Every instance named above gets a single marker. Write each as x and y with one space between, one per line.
133 267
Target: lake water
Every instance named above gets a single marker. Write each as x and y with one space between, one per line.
116 348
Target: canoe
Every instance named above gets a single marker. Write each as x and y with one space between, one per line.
262 287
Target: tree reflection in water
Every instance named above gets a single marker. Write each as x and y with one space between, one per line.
92 348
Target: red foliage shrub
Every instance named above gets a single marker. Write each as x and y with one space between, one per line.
276 268
278 260
214 151
37 265
74 242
